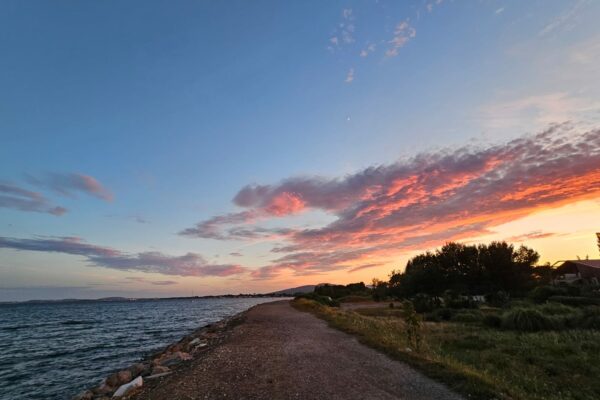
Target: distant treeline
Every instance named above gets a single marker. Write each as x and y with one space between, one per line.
470 270
458 268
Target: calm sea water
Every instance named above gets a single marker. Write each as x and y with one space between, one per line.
54 351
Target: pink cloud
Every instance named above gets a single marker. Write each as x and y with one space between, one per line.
71 183
433 197
17 198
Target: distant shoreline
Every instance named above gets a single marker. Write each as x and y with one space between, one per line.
142 299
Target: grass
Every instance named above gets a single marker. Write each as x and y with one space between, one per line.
482 362
355 299
380 312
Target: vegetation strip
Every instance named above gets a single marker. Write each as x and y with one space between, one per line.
386 335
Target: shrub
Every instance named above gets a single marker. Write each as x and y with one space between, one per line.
441 314
590 318
541 293
462 303
575 301
445 313
573 290
556 309
493 321
424 303
467 316
354 299
526 320
325 300
498 299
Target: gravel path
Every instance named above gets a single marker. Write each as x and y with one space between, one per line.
281 353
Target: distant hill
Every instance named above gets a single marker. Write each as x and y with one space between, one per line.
299 289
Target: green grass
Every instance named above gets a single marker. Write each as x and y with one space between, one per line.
481 362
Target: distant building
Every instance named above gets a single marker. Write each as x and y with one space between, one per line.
578 271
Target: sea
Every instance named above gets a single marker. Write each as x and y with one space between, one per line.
56 350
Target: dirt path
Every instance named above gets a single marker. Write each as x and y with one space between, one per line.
281 353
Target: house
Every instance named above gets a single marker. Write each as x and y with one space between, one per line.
578 271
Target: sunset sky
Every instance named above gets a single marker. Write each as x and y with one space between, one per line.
158 148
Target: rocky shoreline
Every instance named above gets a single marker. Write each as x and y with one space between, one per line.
124 383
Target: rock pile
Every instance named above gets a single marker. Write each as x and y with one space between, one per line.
123 383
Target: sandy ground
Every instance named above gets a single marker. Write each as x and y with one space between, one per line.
281 353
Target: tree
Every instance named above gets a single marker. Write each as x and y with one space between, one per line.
468 269
380 289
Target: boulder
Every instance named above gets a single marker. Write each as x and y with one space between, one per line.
119 378
128 387
103 389
139 369
124 376
175 358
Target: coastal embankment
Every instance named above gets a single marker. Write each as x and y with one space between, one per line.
273 351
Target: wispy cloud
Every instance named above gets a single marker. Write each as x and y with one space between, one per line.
530 236
21 199
432 4
190 264
402 35
450 194
566 20
350 76
344 32
72 183
368 50
135 218
141 279
364 266
347 26
542 109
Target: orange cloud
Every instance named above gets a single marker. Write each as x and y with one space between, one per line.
285 203
423 201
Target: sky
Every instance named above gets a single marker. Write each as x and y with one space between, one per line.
155 148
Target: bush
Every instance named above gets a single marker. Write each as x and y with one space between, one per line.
325 300
462 303
498 299
526 320
441 314
590 318
467 316
556 309
541 294
575 301
354 299
493 321
424 303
